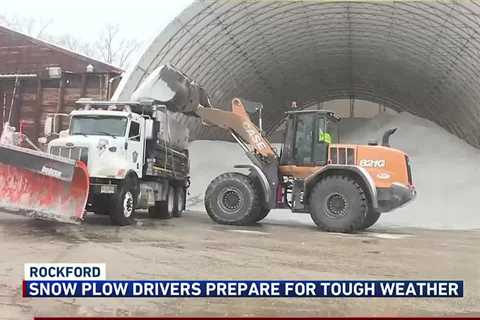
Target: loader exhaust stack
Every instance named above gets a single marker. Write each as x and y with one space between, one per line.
386 137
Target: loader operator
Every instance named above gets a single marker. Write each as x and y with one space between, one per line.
324 136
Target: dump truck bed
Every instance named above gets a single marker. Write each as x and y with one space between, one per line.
164 160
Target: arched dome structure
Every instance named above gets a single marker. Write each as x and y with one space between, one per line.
417 56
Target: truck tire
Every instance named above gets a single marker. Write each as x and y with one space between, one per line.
338 204
232 198
371 219
123 203
180 199
164 209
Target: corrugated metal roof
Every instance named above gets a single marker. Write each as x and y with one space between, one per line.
418 56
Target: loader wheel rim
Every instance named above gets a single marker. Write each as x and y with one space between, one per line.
128 204
336 205
230 200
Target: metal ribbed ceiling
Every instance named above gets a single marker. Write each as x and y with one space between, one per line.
420 57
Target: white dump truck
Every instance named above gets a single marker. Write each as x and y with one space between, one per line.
136 155
114 157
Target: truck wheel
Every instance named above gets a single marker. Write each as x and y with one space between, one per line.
180 201
338 204
232 198
371 219
164 209
123 203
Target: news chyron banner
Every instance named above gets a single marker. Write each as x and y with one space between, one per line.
88 280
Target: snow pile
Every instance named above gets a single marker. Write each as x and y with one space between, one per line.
209 159
445 169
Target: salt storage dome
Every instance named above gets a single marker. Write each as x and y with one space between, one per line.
420 57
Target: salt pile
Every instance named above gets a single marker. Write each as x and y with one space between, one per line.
209 159
445 169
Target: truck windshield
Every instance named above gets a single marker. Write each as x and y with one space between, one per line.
98 125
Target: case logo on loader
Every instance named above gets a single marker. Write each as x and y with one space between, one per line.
254 135
372 163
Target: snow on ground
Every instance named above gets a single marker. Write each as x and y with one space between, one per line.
446 171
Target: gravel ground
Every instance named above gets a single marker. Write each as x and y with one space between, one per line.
282 247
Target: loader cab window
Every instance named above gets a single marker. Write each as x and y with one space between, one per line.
307 138
288 141
304 138
323 137
134 133
331 126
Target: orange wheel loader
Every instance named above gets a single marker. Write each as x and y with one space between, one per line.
344 187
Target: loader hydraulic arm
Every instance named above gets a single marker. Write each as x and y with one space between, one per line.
240 126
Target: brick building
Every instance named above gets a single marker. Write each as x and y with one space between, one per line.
37 78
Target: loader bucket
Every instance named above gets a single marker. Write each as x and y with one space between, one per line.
43 186
170 87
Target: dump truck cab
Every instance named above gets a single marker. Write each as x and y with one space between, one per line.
136 156
110 143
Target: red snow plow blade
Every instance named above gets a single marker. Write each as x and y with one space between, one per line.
41 185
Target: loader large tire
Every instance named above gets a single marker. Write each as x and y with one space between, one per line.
164 209
262 213
338 204
232 198
371 219
124 203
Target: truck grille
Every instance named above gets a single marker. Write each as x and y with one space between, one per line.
74 153
342 155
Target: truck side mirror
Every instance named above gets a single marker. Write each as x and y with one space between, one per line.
48 128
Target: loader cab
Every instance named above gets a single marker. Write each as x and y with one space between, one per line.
307 137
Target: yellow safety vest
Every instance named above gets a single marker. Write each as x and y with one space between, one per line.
325 137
